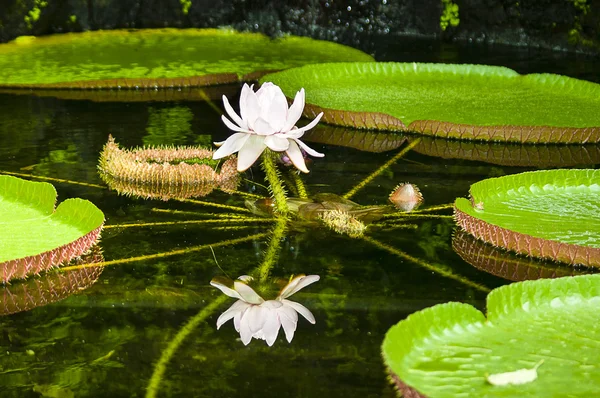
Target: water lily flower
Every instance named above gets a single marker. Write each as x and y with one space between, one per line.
265 121
254 317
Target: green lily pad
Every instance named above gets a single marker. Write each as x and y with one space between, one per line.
34 236
507 265
452 101
449 350
552 214
155 58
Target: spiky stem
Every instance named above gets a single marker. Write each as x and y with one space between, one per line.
272 253
274 180
300 187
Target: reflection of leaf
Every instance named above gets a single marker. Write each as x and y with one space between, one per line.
369 141
156 58
50 288
449 349
451 101
508 154
35 236
144 94
552 214
504 264
169 126
58 160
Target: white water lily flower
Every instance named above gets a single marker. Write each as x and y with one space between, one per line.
254 317
266 122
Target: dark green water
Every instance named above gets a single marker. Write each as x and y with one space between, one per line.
106 339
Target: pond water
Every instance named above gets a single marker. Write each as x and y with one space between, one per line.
102 332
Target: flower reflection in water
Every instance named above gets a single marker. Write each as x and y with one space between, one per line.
254 317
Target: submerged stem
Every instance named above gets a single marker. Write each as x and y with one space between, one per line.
274 180
167 354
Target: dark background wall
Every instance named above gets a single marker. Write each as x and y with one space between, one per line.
557 24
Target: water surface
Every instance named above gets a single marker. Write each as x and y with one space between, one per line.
106 339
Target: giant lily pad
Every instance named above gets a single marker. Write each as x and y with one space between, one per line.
34 236
156 58
449 350
553 214
451 101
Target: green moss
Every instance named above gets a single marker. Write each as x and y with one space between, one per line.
449 14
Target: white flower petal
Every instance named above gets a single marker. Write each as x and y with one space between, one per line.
238 318
245 278
288 313
254 146
225 289
295 111
247 293
308 149
243 98
232 126
311 124
295 156
265 92
289 328
245 333
276 112
233 115
236 308
302 310
276 143
256 316
298 283
271 327
263 127
293 133
231 145
250 109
